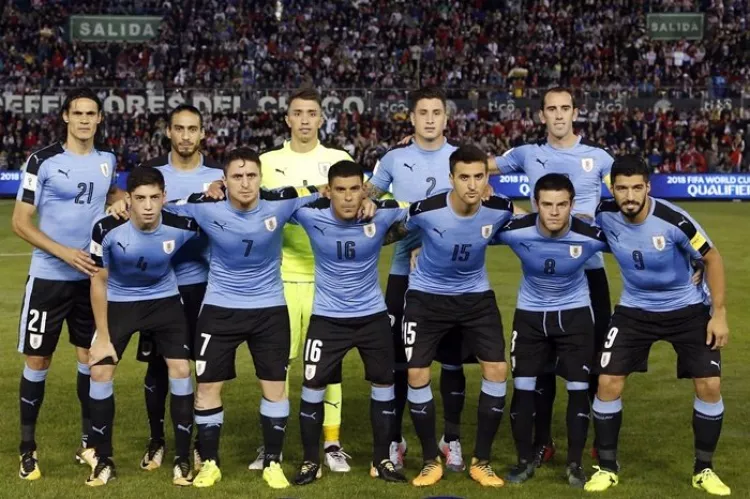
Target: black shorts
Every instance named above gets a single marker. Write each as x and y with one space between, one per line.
46 305
221 330
163 316
565 335
192 299
429 317
329 339
632 332
455 349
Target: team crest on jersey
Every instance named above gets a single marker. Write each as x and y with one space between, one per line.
105 169
270 223
35 340
370 230
309 372
486 231
168 246
587 164
576 250
323 168
659 242
200 367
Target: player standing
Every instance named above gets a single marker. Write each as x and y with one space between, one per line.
348 312
449 289
654 242
244 303
69 184
553 316
136 290
417 170
300 162
587 165
186 170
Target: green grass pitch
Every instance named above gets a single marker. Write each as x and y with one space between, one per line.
656 445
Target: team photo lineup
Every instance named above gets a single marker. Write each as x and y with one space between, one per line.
279 249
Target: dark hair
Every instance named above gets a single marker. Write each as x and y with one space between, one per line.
344 169
426 93
467 154
243 154
558 90
144 175
187 108
554 182
629 165
81 93
306 93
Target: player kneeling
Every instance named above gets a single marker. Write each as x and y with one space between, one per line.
348 312
135 289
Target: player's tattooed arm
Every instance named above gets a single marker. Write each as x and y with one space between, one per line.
372 191
397 232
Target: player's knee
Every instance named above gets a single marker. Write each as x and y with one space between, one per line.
495 371
708 389
610 387
208 395
37 363
419 376
178 369
82 355
273 391
102 373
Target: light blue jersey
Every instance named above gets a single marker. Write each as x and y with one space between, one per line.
70 193
191 262
654 256
411 174
452 260
139 262
346 258
553 268
586 164
245 267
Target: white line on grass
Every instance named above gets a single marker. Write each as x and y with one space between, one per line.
3 255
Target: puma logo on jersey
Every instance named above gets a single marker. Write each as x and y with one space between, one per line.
321 230
616 235
66 173
683 221
220 225
441 232
543 163
526 246
410 167
124 248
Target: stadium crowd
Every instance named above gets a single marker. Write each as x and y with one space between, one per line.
595 46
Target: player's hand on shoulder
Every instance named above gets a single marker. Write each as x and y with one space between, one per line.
698 267
324 191
367 209
118 210
101 348
717 332
79 260
488 192
215 190
413 258
405 140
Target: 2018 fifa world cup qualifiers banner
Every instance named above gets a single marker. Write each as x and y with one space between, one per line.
687 186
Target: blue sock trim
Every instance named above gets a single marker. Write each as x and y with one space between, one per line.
181 386
450 367
383 393
708 408
278 409
312 396
84 369
611 407
494 388
419 395
101 390
573 386
527 384
34 376
213 419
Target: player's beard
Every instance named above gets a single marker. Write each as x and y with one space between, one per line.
633 214
190 152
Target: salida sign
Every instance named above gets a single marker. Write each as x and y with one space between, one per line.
114 28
